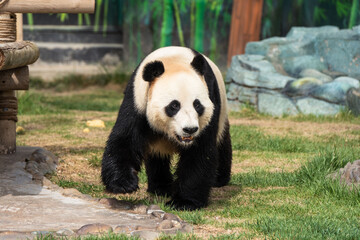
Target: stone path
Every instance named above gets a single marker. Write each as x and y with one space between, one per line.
31 205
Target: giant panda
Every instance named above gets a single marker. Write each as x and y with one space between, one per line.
174 103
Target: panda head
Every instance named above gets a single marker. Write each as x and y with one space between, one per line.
178 102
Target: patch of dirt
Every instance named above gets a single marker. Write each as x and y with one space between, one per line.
304 129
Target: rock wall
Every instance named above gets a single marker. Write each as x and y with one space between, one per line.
310 71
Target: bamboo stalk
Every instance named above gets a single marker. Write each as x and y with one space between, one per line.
199 25
167 24
17 54
354 13
178 23
49 6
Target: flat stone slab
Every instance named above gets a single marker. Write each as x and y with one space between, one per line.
29 206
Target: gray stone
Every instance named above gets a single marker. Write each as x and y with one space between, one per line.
116 204
313 73
187 228
301 87
150 209
166 224
341 51
141 209
170 216
146 235
295 65
317 107
301 33
158 214
242 93
350 174
41 162
354 83
43 208
275 104
255 63
300 48
272 80
124 228
334 92
266 46
65 232
234 106
95 228
353 101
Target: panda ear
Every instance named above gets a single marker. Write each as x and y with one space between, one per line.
153 70
199 64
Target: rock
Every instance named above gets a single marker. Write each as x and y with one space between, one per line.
95 228
20 130
267 46
354 83
317 107
125 229
300 87
170 216
241 93
97 123
146 235
158 214
141 209
275 104
65 232
333 74
71 192
152 208
234 106
293 66
187 228
86 130
349 175
246 71
114 203
353 101
300 33
334 92
41 162
341 51
166 224
313 73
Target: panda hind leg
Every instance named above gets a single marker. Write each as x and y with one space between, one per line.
225 159
159 176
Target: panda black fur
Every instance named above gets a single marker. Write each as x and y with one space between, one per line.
175 102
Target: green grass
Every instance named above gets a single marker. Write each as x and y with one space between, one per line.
296 202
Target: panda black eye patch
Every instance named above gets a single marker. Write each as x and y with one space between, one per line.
199 108
172 109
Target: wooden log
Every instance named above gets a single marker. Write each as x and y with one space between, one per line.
17 54
7 126
15 79
49 6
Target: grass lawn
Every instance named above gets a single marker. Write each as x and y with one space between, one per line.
278 190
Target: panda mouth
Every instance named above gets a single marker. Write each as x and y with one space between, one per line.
185 139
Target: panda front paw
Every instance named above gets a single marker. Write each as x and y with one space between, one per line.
181 204
123 183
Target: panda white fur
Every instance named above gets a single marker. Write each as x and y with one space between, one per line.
175 102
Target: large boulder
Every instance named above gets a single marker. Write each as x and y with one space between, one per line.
276 104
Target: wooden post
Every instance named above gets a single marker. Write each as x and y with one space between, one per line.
245 25
15 55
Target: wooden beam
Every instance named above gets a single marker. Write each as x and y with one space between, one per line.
49 6
17 54
14 79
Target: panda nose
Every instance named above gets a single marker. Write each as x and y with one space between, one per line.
190 130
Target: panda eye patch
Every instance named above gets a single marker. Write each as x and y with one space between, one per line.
199 108
172 108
